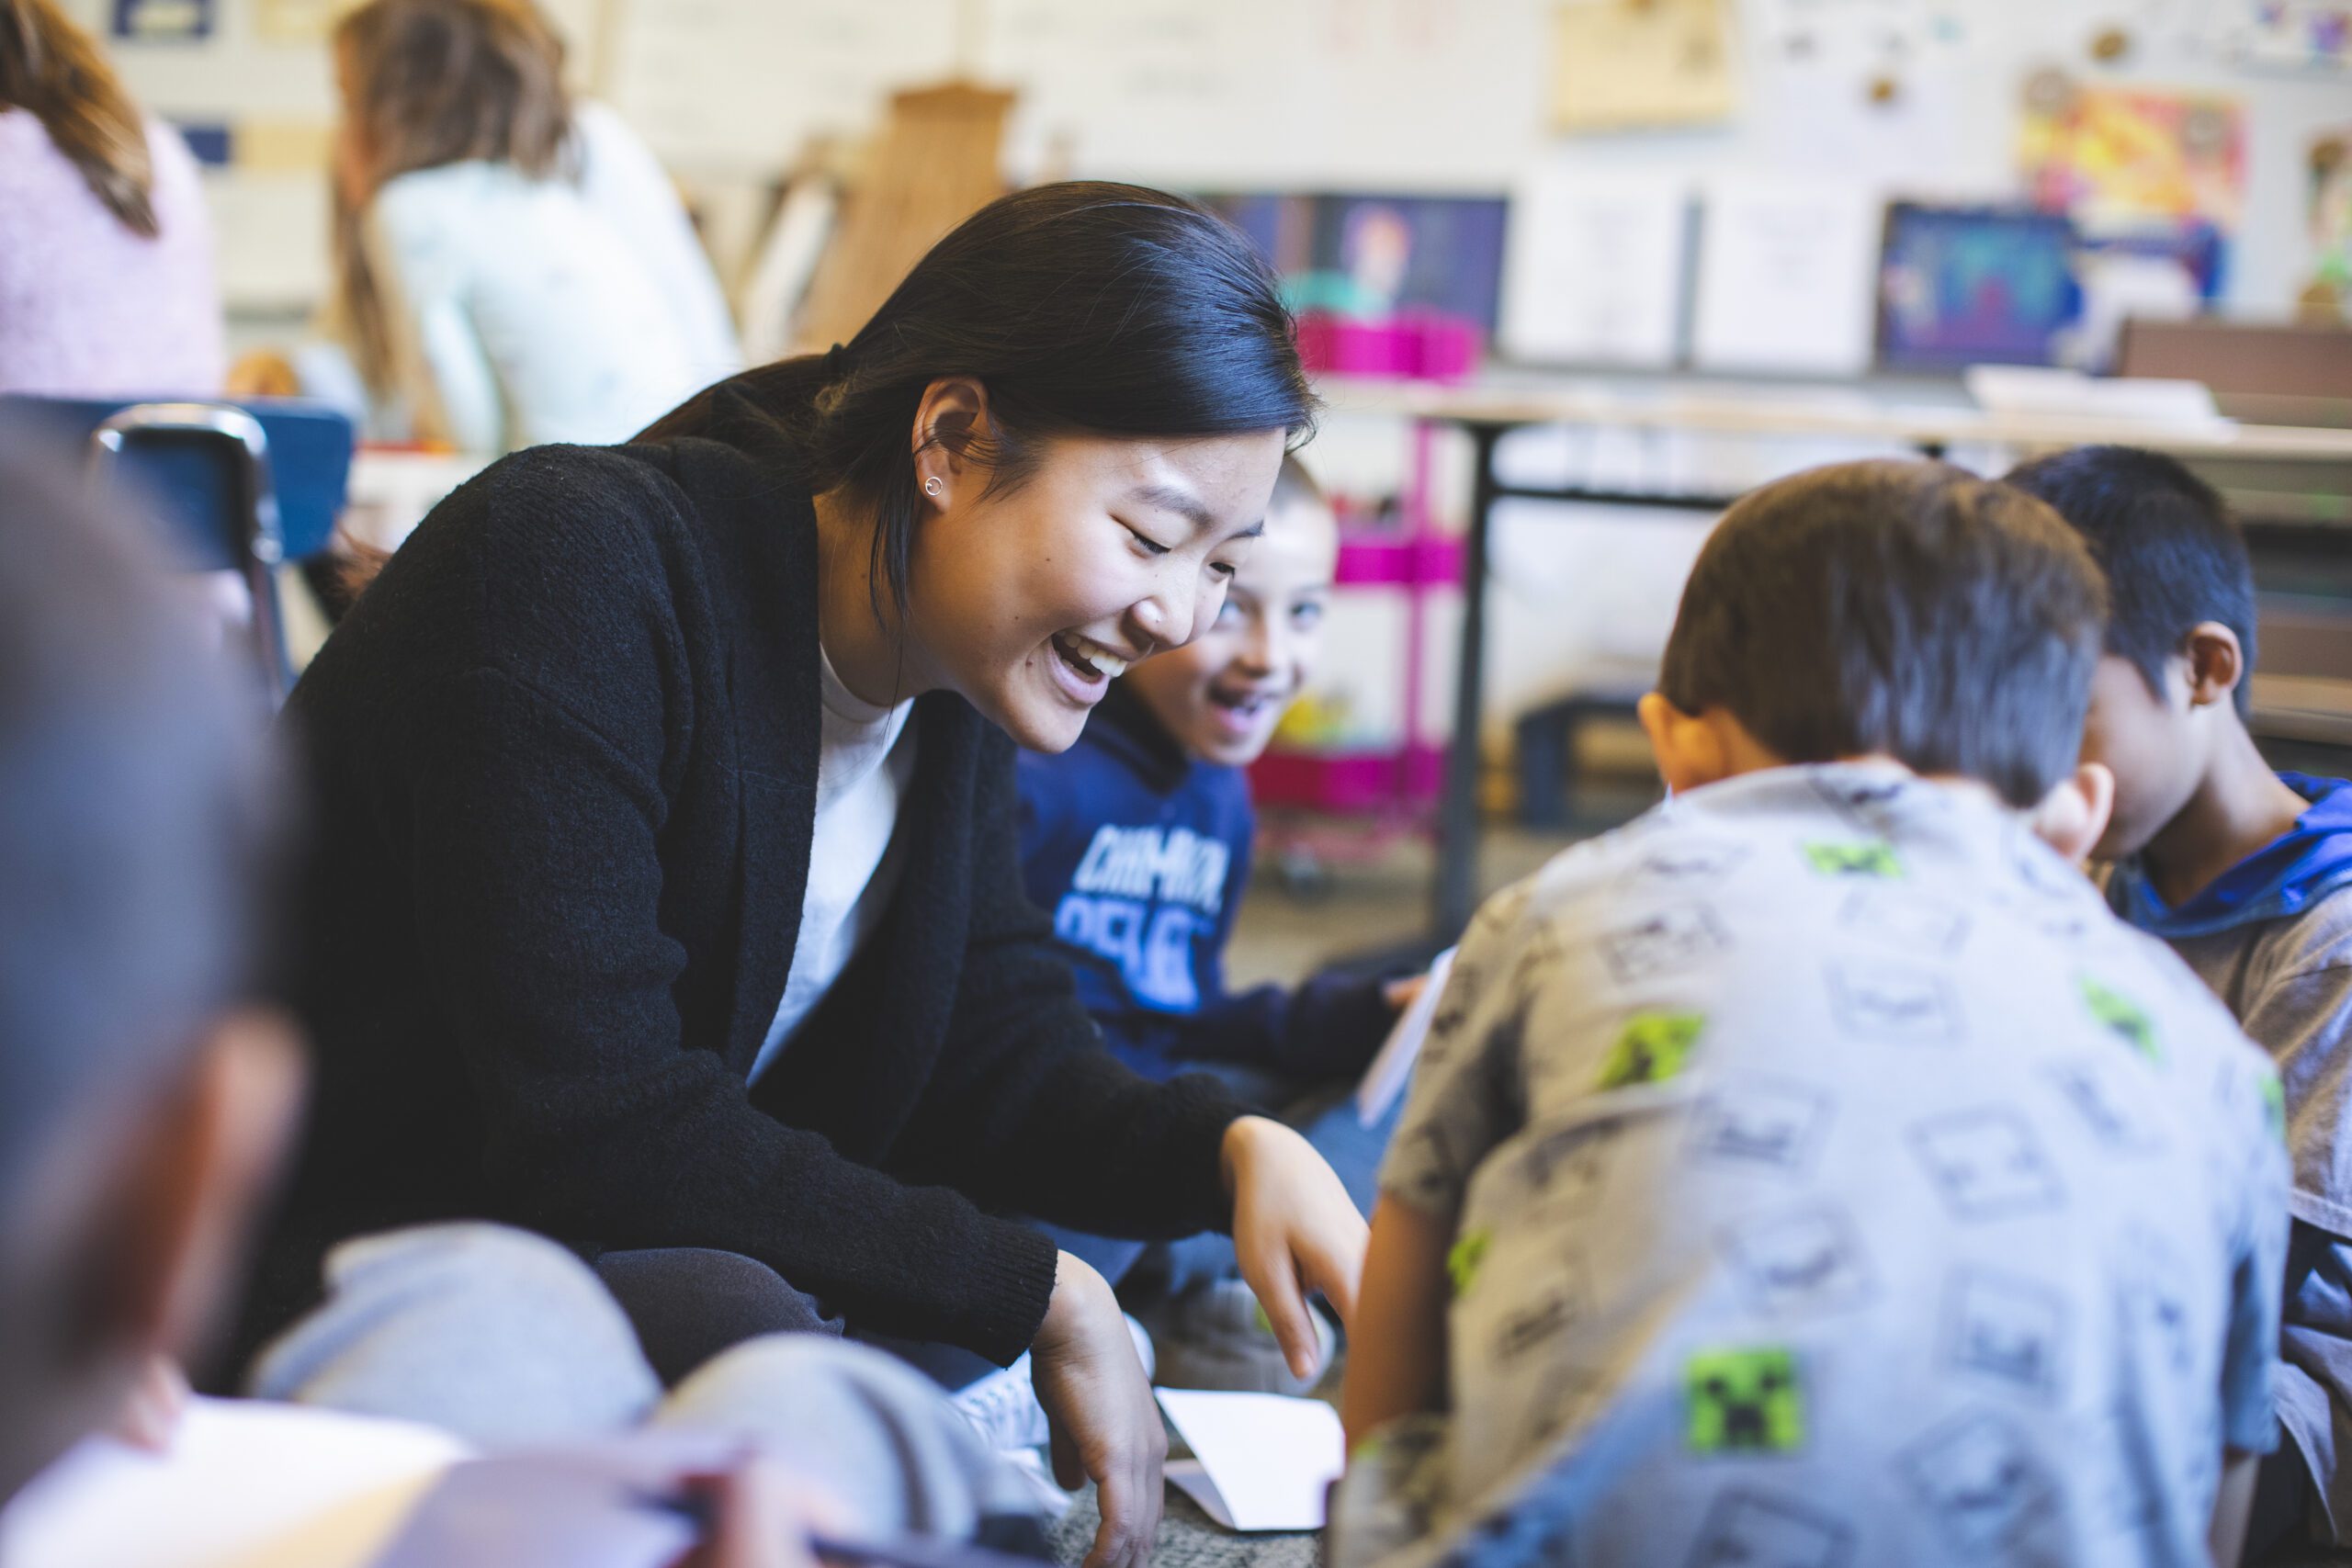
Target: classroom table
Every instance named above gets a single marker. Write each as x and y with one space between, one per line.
1487 412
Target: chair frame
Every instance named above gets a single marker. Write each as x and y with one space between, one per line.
261 549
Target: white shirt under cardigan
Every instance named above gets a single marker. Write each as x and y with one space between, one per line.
864 765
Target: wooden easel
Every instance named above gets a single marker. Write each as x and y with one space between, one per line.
936 164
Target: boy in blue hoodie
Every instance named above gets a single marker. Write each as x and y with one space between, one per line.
1137 840
2247 873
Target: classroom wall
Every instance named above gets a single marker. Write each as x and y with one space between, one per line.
1377 94
1280 93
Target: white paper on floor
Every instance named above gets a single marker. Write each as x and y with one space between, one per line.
247 1483
1261 1461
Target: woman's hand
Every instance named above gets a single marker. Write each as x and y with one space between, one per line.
1106 1424
1296 1229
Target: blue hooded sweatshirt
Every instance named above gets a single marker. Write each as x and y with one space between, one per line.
2282 879
2272 937
1141 855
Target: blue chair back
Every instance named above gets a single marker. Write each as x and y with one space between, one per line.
196 485
234 488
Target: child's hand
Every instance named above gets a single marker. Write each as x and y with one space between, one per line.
1295 1230
761 1516
1402 994
151 1413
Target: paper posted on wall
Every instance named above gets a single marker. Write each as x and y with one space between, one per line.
1392 1066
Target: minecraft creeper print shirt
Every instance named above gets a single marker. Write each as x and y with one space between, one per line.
1833 1182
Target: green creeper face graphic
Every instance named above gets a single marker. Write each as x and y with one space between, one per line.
1869 858
1467 1254
2274 1104
1652 1048
2120 1014
1745 1402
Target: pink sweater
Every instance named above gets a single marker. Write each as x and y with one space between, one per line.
89 308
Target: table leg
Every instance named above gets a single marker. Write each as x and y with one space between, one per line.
1453 892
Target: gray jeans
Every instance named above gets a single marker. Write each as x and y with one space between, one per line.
509 1340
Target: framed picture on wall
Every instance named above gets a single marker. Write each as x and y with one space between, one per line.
1960 286
1369 256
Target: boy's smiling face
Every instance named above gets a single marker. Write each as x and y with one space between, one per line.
1222 695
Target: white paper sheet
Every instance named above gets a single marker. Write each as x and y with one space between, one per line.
1595 270
248 1484
1392 1066
1788 276
1262 1461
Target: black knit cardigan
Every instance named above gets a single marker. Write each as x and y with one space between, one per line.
565 762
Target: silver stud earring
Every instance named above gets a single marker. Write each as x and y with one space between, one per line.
931 486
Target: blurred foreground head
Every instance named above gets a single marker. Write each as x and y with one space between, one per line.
144 1095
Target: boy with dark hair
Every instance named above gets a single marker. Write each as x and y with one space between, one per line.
2247 873
1816 1172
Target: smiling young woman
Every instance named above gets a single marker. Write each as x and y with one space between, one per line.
667 899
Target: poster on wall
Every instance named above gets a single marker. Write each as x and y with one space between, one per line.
1369 256
2329 217
2307 35
161 21
1962 286
1786 266
1595 269
2122 156
1628 65
284 146
298 22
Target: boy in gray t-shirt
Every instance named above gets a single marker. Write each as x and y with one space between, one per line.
1812 1173
2247 873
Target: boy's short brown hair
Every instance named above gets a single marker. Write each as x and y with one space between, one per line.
1908 609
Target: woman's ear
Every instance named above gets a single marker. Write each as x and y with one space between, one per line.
950 421
2074 815
2216 663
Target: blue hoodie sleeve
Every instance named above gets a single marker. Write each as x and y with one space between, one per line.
1327 1028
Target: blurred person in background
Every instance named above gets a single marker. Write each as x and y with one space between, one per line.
106 255
511 269
147 1087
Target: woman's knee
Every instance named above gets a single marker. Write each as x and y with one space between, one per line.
689 1303
497 1334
